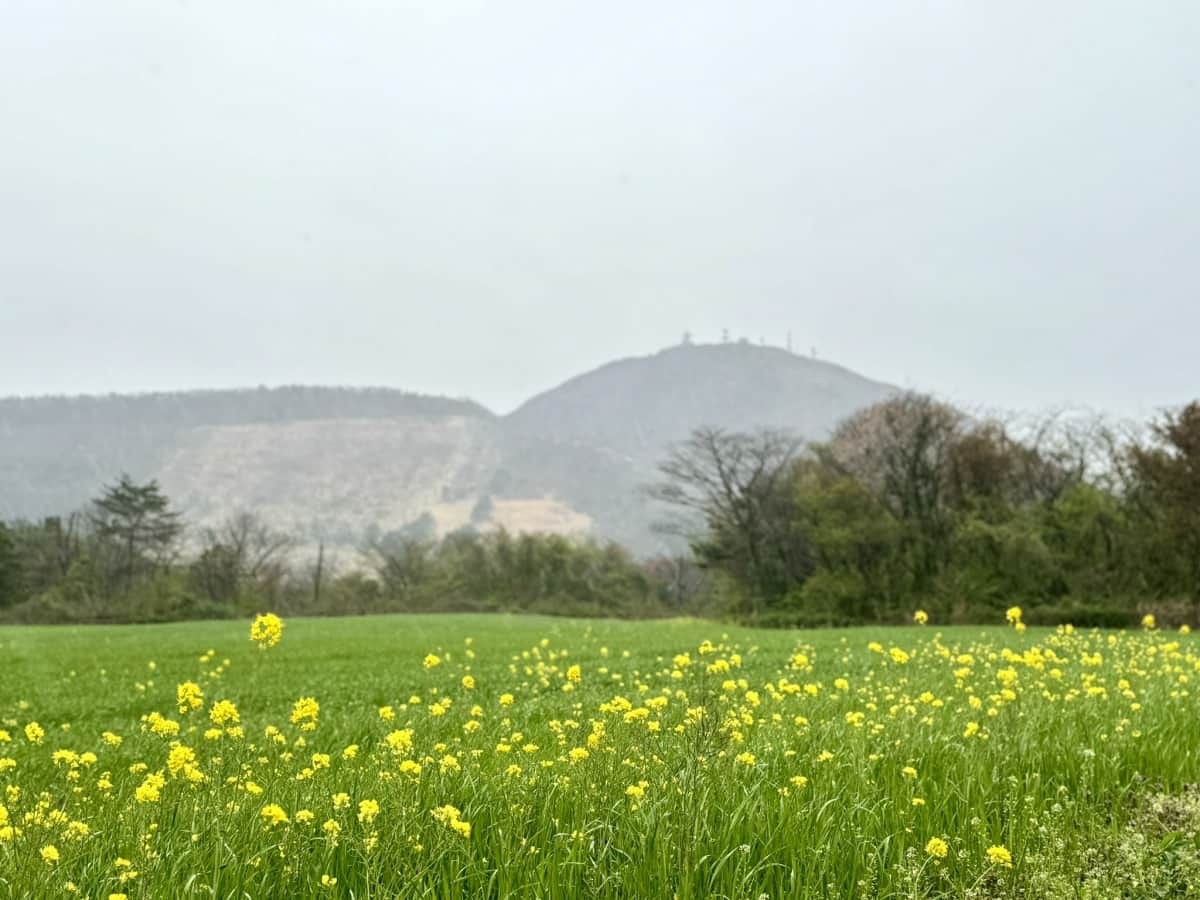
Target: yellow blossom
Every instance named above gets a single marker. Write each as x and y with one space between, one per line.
368 810
305 712
999 856
223 713
451 817
274 814
189 697
266 630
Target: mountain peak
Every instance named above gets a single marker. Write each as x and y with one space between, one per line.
637 406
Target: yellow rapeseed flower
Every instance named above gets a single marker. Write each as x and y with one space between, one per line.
223 713
305 712
189 697
368 810
274 814
266 630
149 791
400 741
1000 856
451 817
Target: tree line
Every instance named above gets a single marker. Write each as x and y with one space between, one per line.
127 558
911 503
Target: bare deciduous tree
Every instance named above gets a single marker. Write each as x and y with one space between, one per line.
260 550
242 549
731 493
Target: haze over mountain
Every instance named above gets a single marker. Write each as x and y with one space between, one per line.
340 464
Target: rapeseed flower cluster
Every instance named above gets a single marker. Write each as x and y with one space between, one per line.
266 630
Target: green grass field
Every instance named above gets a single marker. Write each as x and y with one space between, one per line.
596 759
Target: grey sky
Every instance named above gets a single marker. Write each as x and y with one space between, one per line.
999 202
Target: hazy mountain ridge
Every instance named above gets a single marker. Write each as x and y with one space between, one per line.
335 463
639 405
235 406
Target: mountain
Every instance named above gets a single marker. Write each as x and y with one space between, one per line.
57 452
636 407
335 464
596 439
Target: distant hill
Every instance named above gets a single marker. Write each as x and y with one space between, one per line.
596 439
635 407
57 452
335 464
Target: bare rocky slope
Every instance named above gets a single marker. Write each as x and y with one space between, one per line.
337 464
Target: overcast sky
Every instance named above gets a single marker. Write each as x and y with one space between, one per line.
998 202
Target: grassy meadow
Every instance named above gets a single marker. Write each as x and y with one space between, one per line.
490 756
